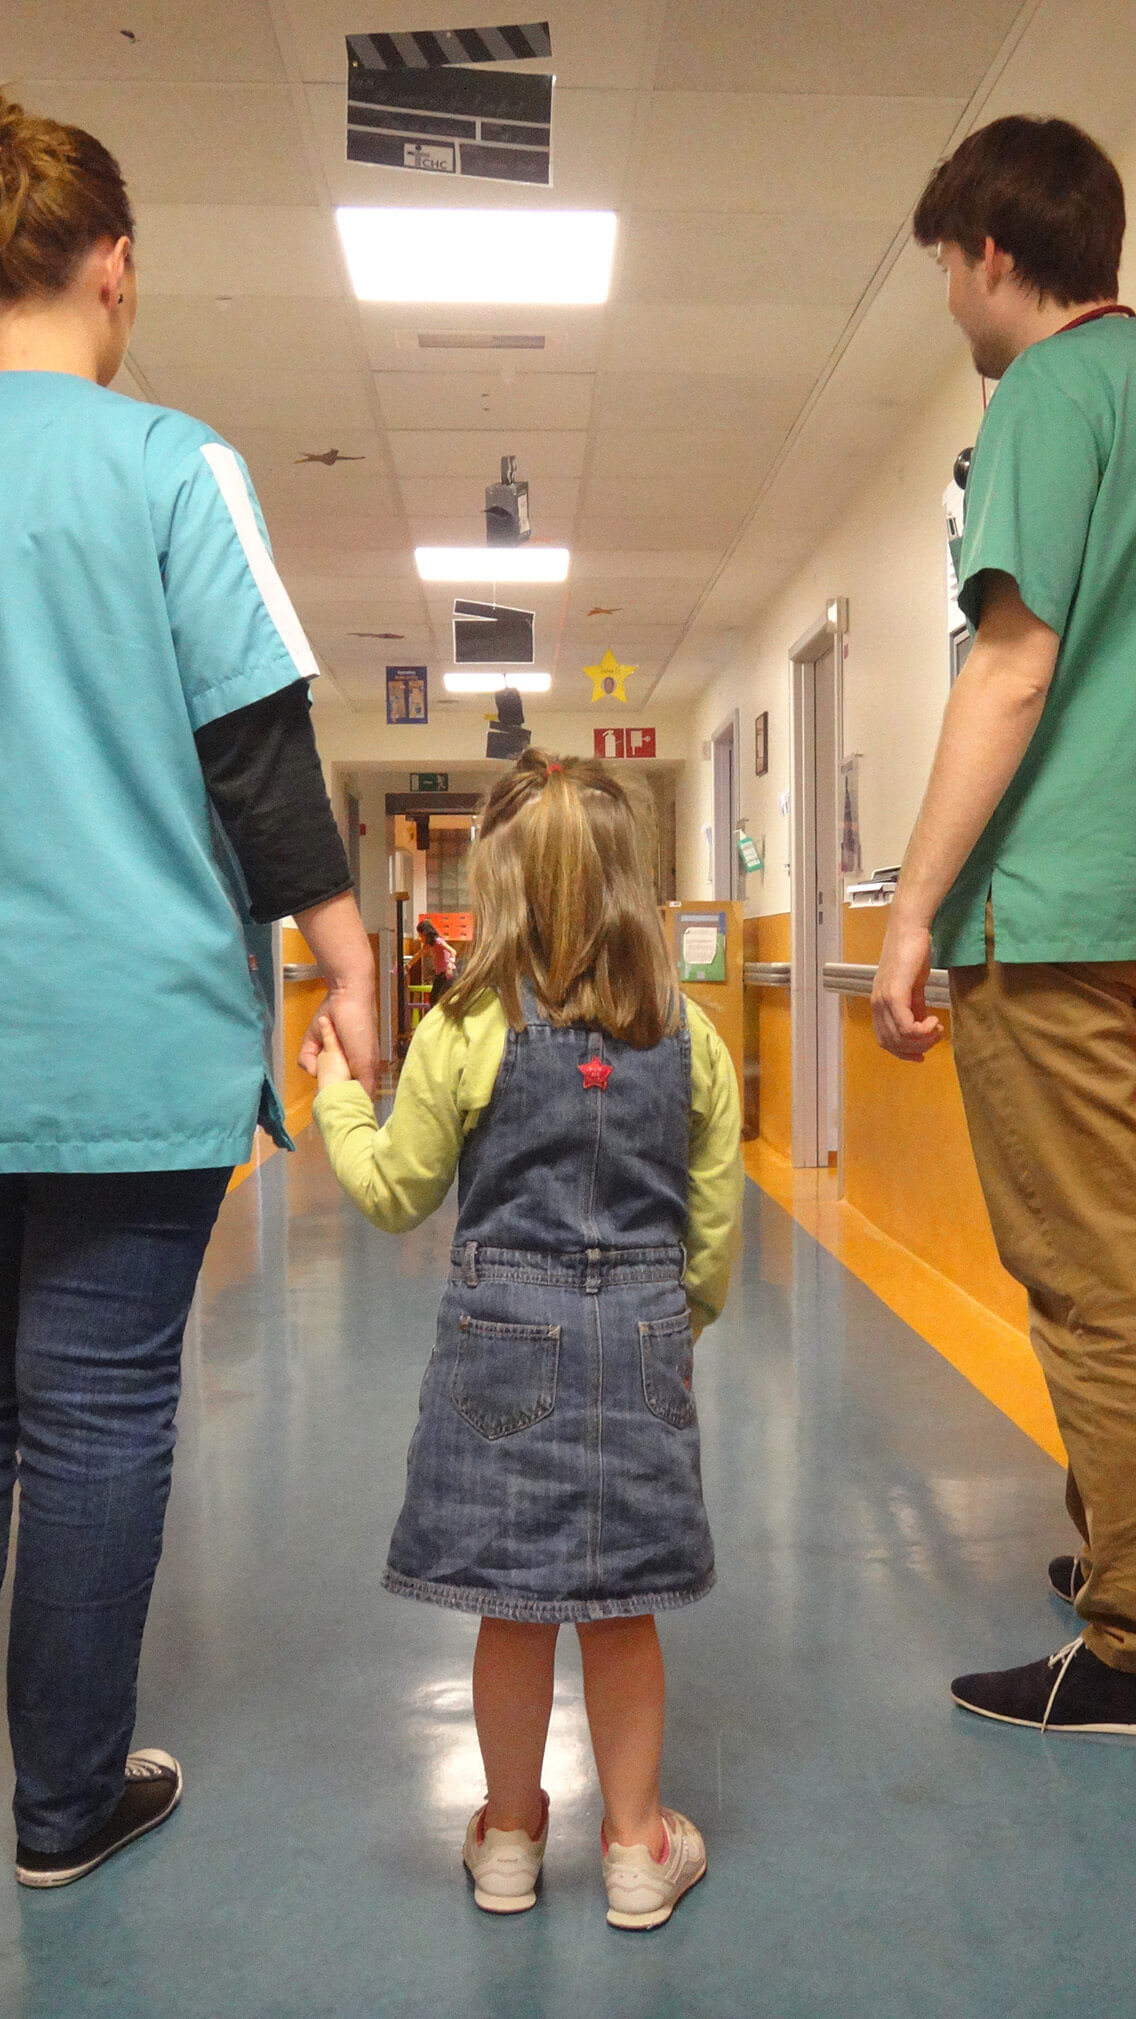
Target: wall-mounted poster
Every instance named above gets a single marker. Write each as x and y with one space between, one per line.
851 856
761 744
406 694
701 945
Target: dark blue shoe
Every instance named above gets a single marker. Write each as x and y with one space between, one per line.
1070 1691
1066 1577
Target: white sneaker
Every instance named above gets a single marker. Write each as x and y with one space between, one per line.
641 1892
504 1864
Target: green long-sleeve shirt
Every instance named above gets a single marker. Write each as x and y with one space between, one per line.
400 1173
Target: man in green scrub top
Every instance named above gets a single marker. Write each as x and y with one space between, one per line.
1021 873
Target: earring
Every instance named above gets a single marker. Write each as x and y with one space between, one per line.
121 299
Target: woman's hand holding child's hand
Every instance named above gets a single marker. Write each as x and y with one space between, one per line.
332 1068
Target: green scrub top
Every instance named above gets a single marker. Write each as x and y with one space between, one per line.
1051 500
138 601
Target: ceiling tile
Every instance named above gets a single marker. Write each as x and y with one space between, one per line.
434 453
641 453
778 342
705 257
932 48
355 606
238 249
863 158
305 534
243 333
321 408
687 492
660 534
464 401
623 569
192 143
634 400
210 41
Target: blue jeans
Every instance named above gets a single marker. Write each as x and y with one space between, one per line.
97 1274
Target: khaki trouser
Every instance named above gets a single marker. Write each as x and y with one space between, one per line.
1047 1062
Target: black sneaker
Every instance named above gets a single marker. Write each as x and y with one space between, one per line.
1070 1691
1066 1577
152 1792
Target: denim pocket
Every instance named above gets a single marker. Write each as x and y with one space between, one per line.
666 1348
505 1375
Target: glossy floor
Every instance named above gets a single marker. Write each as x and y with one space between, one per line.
873 1851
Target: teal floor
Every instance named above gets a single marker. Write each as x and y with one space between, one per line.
873 1851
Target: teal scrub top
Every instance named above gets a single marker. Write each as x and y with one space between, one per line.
1051 500
138 601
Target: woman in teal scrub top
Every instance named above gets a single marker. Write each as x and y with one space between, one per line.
159 785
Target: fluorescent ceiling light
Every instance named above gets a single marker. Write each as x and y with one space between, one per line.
492 564
492 683
492 256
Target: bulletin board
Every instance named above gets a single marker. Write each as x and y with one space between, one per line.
700 945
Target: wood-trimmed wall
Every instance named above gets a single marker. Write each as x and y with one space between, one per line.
768 1039
906 1159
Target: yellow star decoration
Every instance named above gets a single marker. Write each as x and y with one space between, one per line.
608 677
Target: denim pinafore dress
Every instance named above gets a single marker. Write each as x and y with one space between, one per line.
554 1473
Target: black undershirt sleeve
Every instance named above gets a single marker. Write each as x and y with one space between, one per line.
262 773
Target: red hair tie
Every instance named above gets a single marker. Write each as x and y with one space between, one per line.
554 767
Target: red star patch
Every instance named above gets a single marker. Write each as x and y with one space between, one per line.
594 1073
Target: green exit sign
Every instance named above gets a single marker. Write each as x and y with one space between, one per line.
429 781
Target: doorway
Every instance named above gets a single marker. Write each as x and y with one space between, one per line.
724 755
816 662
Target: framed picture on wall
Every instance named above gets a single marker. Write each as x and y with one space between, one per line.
761 744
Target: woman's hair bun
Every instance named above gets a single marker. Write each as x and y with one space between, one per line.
60 193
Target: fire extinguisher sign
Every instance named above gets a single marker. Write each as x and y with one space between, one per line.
624 742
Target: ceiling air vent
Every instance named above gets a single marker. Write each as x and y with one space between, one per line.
476 340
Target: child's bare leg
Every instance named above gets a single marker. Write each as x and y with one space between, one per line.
513 1673
625 1695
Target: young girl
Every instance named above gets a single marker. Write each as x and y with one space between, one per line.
442 955
554 1473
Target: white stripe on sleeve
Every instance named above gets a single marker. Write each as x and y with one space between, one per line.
231 484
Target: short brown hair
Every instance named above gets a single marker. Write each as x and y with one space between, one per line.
1045 193
60 193
562 886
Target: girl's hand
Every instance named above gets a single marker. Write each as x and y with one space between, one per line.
332 1068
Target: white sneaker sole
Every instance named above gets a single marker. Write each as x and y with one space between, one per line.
655 1917
1050 1731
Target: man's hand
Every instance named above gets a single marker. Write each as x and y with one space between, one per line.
899 1010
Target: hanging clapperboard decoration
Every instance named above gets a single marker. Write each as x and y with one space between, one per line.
488 634
412 102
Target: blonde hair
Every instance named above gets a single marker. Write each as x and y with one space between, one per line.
60 193
563 897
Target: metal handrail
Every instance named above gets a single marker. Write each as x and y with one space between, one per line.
767 974
845 977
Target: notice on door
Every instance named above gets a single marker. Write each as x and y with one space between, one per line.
701 945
